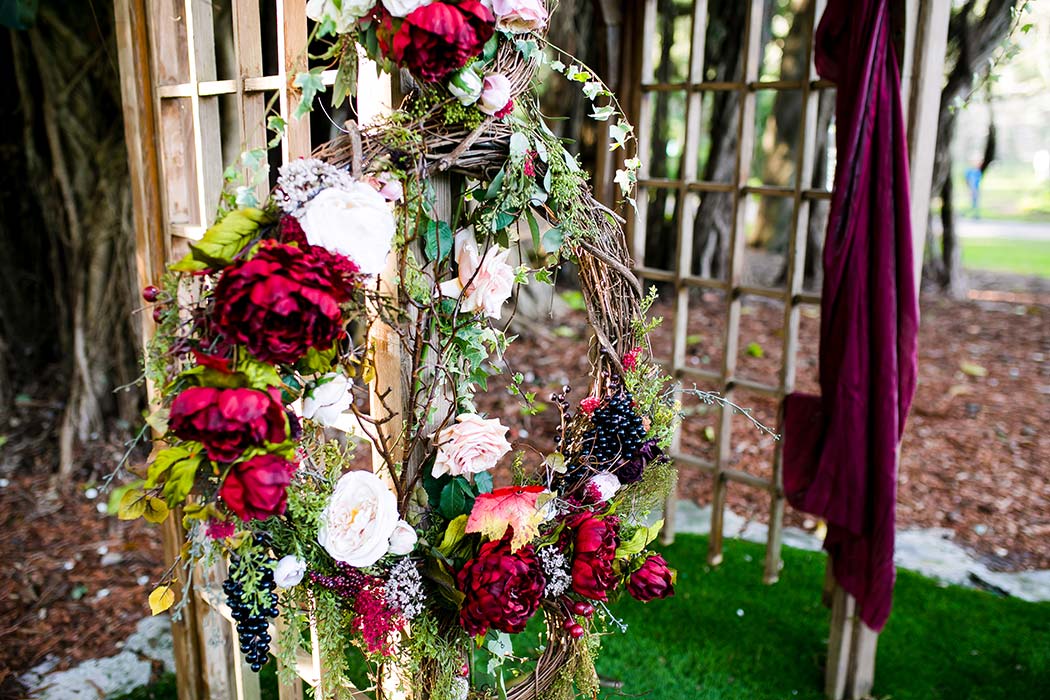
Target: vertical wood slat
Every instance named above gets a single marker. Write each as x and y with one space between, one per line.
292 59
207 144
248 59
752 46
644 126
687 203
796 256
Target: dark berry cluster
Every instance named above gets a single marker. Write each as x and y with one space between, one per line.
614 436
346 583
252 621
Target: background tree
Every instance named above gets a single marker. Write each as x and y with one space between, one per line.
977 35
67 336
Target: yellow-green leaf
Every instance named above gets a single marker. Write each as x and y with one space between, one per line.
161 599
155 510
226 238
455 532
972 369
132 505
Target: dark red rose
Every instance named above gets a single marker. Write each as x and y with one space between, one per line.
502 589
435 40
594 550
289 230
228 421
653 580
280 303
257 488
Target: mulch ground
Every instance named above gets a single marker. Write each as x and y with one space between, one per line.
976 459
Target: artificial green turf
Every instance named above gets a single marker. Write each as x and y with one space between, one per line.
726 636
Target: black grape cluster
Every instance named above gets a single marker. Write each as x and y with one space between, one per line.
615 435
252 625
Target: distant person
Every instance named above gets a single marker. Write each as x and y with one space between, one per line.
974 175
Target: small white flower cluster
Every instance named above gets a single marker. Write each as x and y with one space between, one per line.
404 589
556 570
303 178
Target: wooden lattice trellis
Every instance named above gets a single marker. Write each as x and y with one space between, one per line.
185 116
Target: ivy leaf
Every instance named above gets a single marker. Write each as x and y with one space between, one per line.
503 220
310 84
602 114
161 599
437 241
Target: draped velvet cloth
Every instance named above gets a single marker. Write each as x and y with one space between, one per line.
840 449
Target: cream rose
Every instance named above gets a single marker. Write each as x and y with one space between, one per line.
344 17
471 446
520 16
403 539
289 571
602 486
356 222
403 8
329 399
495 94
358 520
483 283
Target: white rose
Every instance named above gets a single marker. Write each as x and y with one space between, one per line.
344 17
471 446
403 8
482 283
289 571
355 222
329 399
404 538
602 486
520 16
390 187
358 520
495 94
466 86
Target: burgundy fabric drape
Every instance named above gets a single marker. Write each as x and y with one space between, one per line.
840 449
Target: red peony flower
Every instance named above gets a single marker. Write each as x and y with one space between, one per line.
653 580
258 487
281 302
437 39
502 589
228 421
594 550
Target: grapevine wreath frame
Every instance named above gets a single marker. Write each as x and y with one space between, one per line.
267 322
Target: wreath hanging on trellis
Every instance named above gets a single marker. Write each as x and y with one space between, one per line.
267 340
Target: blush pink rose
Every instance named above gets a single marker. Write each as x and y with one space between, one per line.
520 16
471 446
495 97
483 282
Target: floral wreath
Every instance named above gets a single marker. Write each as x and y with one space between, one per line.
266 344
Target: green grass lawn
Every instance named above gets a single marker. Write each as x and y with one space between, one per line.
1008 191
726 636
1020 257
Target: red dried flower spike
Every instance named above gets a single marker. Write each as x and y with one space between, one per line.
589 404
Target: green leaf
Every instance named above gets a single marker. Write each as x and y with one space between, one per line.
310 84
345 78
437 240
484 482
495 185
445 583
755 350
534 228
454 533
132 505
319 361
259 374
226 238
175 468
457 498
503 220
155 510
